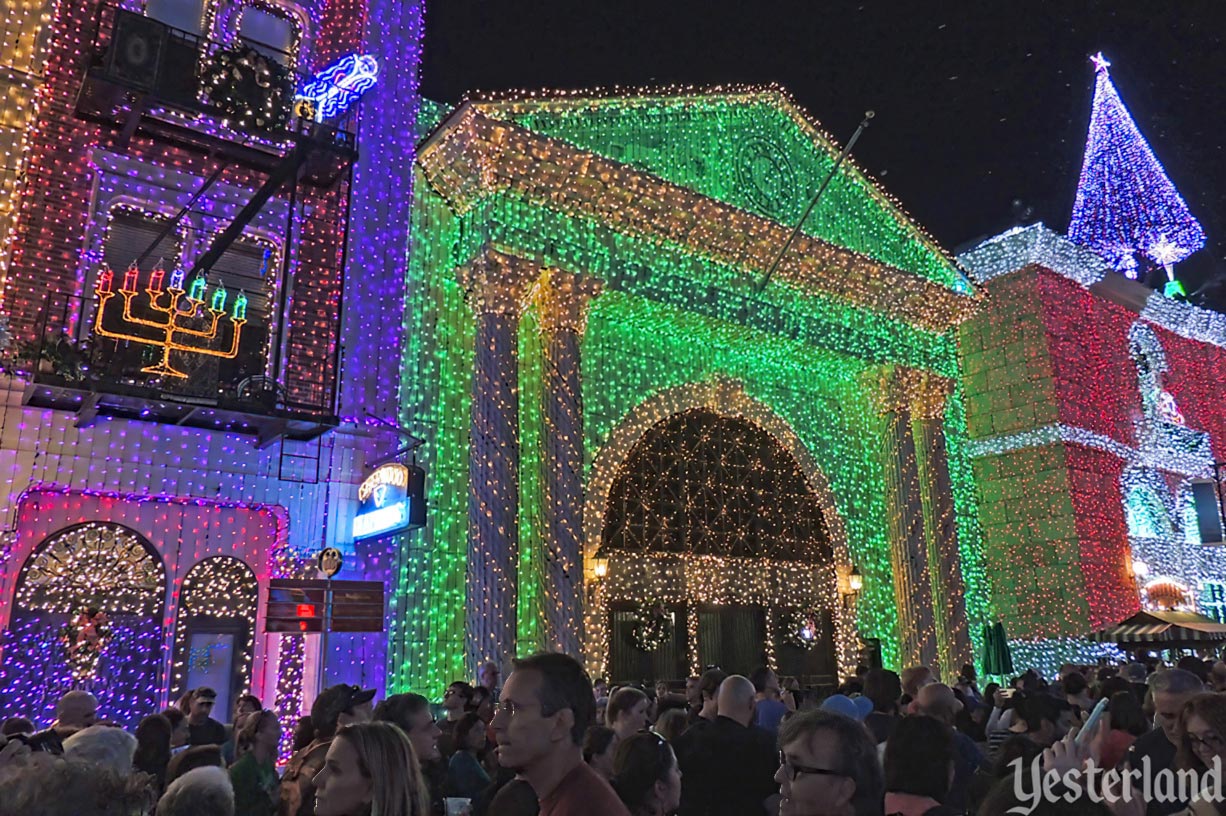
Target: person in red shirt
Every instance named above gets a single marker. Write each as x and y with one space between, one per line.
544 710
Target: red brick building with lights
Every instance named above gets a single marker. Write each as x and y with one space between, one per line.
1094 405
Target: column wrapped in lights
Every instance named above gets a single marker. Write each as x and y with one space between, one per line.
497 287
564 300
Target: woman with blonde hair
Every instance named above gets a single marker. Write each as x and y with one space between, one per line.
370 770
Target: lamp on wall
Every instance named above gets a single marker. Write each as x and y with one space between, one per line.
855 581
600 565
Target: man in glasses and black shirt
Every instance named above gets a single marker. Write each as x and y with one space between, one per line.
828 764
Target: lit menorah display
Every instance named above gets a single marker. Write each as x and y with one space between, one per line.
177 307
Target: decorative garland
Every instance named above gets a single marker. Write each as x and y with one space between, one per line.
85 638
654 627
251 89
801 628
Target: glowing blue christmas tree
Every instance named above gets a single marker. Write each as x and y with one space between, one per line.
1126 206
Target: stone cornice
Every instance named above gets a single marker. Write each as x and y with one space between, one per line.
472 155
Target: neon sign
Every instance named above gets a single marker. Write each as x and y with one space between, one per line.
383 502
336 88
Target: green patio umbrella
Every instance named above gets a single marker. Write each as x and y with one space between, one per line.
997 660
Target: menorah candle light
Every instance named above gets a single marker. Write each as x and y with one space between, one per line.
176 279
129 279
155 280
198 285
104 280
219 298
240 307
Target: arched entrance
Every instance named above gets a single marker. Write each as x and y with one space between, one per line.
214 635
719 553
87 614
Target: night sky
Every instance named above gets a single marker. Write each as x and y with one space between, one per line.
981 108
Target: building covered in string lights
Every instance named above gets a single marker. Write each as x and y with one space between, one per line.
200 344
645 453
1093 410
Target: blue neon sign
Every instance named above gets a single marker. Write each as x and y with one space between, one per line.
336 88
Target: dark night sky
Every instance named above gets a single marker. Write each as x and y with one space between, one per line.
978 104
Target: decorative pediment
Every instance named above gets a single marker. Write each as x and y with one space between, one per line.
480 150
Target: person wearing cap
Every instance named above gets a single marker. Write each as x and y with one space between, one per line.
855 708
202 729
336 706
938 701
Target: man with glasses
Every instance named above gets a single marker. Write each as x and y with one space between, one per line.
457 700
202 729
545 708
828 766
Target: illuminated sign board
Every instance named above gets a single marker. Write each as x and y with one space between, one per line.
383 503
336 88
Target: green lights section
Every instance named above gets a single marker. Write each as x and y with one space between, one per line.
755 154
634 349
665 274
532 631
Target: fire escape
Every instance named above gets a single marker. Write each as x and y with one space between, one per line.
144 81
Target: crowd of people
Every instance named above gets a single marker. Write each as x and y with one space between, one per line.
552 742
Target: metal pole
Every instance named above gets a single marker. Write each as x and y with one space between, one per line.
826 183
323 642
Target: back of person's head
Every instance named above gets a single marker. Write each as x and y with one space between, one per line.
153 746
1175 681
596 741
385 757
17 725
918 757
938 700
1194 665
331 703
465 727
199 792
1126 713
173 716
914 678
189 759
1035 708
736 699
304 734
564 684
623 700
639 762
103 745
761 678
47 785
76 709
883 687
1015 748
400 709
671 724
708 684
1075 684
1113 686
854 750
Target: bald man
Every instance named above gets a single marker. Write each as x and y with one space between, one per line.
729 766
938 701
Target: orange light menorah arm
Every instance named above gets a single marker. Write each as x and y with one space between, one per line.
133 319
102 331
228 355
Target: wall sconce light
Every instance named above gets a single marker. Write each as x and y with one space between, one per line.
600 565
1140 569
855 581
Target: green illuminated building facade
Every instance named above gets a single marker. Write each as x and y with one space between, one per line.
640 451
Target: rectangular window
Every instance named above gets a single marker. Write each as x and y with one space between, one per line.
269 32
130 233
187 15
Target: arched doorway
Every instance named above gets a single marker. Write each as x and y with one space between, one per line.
719 553
214 634
87 614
